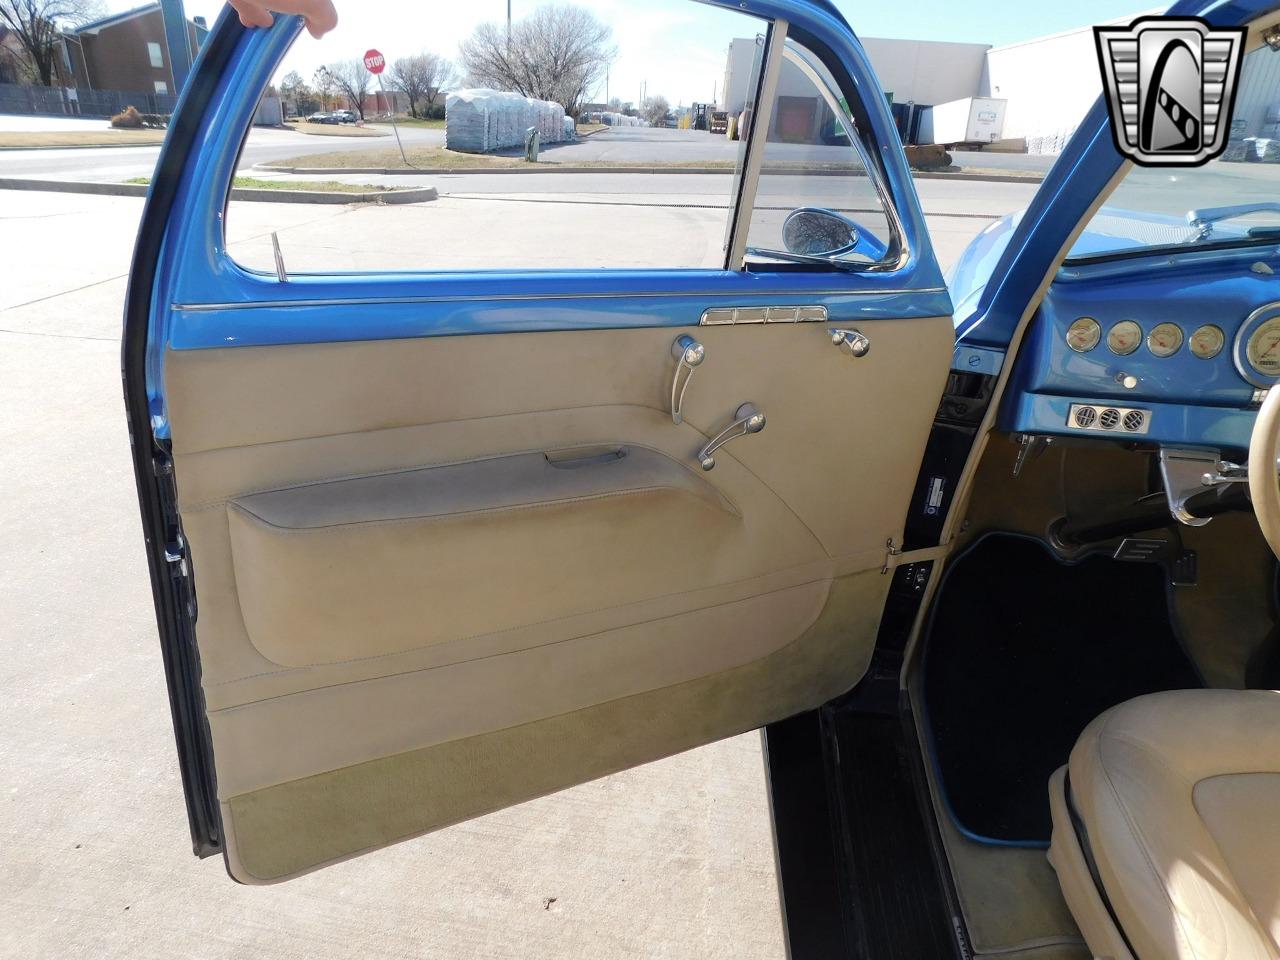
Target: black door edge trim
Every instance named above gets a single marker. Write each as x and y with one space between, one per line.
171 590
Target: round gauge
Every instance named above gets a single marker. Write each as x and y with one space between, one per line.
1124 338
1256 350
1263 348
1206 342
1083 334
1165 339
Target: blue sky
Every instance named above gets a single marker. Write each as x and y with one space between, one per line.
677 48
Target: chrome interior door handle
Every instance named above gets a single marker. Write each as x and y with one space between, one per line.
858 344
747 420
689 354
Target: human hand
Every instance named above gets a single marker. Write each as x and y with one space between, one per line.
320 15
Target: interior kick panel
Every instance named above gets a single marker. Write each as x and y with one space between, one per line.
1183 398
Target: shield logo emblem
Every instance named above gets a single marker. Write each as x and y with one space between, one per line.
1171 86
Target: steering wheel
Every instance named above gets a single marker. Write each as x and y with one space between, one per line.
1264 487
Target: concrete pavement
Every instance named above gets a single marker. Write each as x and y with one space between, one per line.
673 860
264 145
25 123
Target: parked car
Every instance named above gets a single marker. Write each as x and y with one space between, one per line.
323 118
990 558
346 116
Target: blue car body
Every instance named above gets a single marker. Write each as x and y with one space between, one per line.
1011 296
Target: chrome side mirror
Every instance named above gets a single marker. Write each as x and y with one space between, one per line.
814 232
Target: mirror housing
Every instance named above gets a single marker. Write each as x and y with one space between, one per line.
815 232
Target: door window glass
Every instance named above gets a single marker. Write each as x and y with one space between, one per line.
817 200
635 158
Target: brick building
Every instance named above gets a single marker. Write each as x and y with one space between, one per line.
128 51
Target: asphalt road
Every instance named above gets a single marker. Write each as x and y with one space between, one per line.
624 145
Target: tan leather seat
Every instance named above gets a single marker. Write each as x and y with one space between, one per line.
1175 798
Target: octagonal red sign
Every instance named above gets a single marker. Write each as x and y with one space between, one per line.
374 62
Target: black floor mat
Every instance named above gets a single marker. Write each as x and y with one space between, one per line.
1022 652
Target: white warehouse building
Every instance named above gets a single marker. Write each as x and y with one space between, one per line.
1049 82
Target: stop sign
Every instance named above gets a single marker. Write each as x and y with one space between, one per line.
374 62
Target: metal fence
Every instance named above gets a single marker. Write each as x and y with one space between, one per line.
60 102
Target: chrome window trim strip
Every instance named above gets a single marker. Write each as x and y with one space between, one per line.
533 297
736 256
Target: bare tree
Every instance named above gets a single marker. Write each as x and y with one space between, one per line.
295 90
559 52
325 86
37 26
352 81
655 110
421 78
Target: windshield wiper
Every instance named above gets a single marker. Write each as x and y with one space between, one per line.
1204 219
849 265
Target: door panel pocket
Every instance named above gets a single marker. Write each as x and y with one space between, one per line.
348 569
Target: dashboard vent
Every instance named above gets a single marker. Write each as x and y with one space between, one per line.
1133 420
1087 416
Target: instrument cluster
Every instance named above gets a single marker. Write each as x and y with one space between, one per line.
1256 349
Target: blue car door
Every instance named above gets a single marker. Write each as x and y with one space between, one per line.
427 543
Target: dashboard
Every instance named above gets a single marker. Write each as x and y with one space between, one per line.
1157 350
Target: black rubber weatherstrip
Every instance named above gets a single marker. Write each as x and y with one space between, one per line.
1022 651
173 596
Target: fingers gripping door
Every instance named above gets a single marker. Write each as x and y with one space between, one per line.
443 575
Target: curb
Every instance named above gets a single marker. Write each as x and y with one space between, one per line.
654 171
392 197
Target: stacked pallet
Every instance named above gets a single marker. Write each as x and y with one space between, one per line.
482 120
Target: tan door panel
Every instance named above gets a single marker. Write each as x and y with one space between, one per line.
442 575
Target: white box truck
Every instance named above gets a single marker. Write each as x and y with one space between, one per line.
971 122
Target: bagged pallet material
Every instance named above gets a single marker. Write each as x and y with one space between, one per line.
481 120
621 120
570 129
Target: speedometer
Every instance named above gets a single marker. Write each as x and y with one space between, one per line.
1263 349
1257 346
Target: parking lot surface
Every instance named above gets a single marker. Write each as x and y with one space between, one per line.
673 860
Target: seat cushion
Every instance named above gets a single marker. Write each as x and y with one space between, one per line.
1178 797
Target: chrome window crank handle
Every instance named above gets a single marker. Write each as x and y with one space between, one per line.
747 420
689 354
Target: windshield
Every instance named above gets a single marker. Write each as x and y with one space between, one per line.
1232 200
